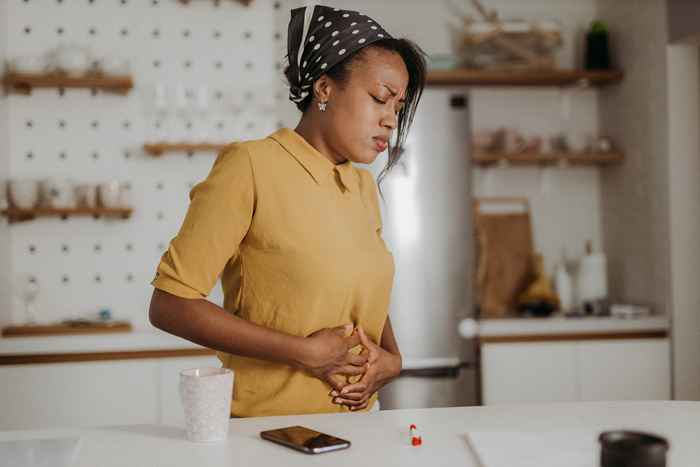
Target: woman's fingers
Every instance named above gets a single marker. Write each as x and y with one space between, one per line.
351 370
357 387
357 360
353 340
343 330
350 402
359 407
353 396
335 383
368 344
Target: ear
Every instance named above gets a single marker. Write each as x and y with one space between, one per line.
323 88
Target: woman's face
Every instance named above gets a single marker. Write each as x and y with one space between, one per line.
363 112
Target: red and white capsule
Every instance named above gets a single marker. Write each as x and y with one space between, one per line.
416 439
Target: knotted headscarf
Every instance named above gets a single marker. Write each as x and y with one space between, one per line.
320 37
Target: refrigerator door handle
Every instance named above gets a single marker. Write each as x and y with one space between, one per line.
451 371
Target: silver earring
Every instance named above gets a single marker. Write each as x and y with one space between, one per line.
322 106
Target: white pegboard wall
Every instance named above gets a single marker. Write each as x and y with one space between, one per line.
83 264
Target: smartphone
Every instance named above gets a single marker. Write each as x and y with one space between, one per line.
305 439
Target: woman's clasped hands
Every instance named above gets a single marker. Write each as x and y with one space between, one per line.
330 359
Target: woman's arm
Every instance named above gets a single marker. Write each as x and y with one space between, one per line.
323 354
388 341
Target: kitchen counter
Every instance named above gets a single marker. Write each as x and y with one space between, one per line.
117 346
562 328
542 435
93 343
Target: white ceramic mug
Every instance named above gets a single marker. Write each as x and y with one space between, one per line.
206 395
109 194
23 193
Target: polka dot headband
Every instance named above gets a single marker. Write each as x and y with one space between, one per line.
320 37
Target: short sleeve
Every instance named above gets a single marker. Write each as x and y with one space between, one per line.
218 218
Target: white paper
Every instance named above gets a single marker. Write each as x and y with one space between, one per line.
58 452
534 449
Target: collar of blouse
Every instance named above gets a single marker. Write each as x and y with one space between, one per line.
316 164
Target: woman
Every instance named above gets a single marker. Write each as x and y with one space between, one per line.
294 230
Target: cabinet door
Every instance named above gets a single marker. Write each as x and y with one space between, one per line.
528 372
625 369
170 409
78 394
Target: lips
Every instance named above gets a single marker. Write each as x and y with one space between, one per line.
380 144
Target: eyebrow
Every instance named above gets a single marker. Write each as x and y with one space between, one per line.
393 93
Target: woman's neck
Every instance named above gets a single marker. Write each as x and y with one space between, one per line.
311 132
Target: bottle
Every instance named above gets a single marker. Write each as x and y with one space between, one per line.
593 279
564 286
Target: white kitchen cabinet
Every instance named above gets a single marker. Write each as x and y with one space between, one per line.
625 370
634 369
114 392
536 372
78 394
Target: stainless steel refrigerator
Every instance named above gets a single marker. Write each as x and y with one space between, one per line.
426 210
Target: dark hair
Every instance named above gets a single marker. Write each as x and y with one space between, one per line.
414 59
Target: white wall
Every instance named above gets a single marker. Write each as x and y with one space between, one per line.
5 267
635 194
684 182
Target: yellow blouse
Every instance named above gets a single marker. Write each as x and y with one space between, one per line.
297 242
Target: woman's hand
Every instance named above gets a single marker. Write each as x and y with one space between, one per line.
328 355
382 367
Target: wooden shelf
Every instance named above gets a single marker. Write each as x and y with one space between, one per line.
539 78
27 330
21 215
217 2
485 159
157 149
23 83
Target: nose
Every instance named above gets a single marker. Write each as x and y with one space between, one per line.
389 120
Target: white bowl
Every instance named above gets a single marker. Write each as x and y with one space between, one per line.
23 193
28 64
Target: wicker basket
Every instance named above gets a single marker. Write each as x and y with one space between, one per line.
509 45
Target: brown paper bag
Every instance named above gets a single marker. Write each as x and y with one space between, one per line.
504 251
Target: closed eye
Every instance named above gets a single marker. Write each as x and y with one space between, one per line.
377 100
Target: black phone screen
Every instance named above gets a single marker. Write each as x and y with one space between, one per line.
305 439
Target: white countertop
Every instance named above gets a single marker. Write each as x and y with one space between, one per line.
539 434
127 341
562 325
156 340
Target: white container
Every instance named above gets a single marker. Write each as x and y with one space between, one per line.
592 278
564 287
108 194
23 193
206 395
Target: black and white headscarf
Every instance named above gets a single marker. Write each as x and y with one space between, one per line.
320 37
